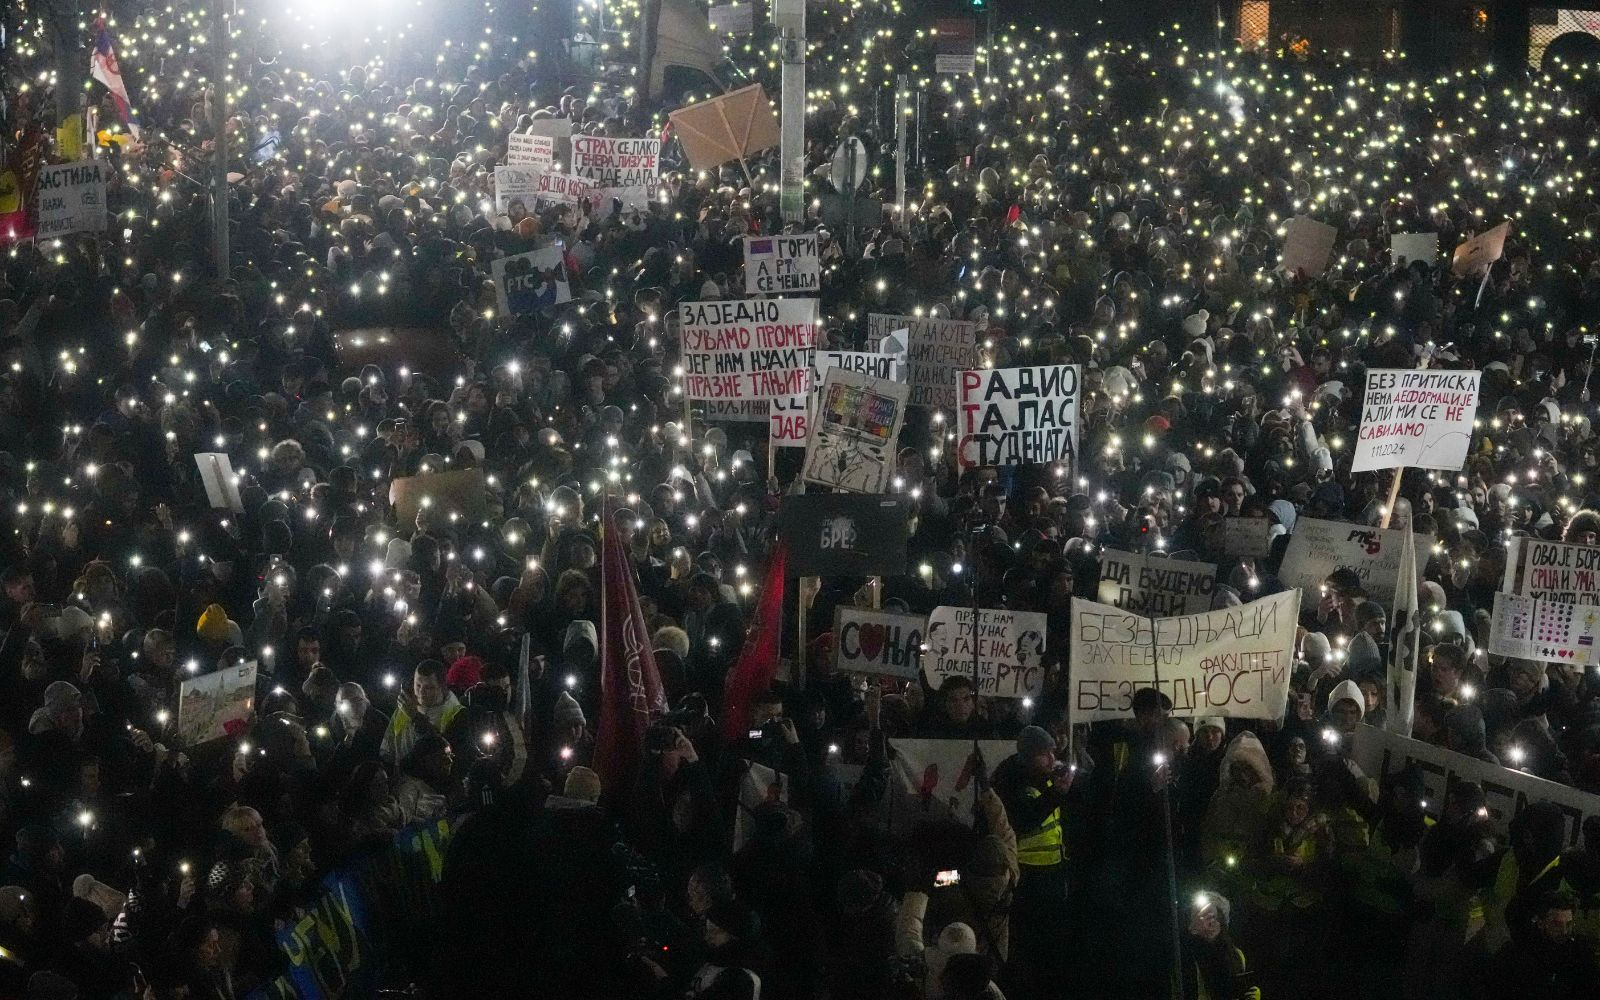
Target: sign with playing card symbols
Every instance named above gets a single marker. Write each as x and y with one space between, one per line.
877 642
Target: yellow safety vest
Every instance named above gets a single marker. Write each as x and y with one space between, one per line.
1042 847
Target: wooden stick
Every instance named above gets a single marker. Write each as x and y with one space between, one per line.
800 634
1394 487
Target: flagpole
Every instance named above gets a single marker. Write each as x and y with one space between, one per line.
219 129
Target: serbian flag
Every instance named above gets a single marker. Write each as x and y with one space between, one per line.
103 67
630 686
758 659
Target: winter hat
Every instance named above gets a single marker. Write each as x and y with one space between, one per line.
858 890
581 630
213 624
1284 511
567 712
61 694
955 939
1368 612
1347 690
1316 649
1194 325
465 673
1033 741
1224 908
673 638
584 784
1210 722
108 899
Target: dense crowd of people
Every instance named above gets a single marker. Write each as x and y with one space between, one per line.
1104 204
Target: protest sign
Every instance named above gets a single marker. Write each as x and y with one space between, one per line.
852 443
776 265
215 705
1533 629
877 642
844 534
937 350
732 18
527 282
1246 536
1482 250
741 411
730 127
1317 548
1010 650
71 198
748 348
1018 416
1553 571
626 169
930 781
758 785
516 187
788 421
1232 662
530 150
1421 419
222 486
1506 792
1151 585
565 189
955 46
1307 245
889 367
1408 247
461 492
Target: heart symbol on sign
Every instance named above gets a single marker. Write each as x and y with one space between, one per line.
872 637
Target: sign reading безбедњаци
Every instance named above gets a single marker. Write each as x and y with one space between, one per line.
1417 418
1232 662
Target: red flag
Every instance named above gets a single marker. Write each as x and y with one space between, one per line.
758 659
630 686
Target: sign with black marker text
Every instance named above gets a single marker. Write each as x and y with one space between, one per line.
1018 416
781 265
1009 657
747 348
1417 418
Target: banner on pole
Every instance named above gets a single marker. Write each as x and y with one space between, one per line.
1232 662
527 282
937 351
779 265
852 443
1317 548
788 421
71 198
955 46
1018 416
877 642
1009 657
725 128
1149 585
747 348
1416 418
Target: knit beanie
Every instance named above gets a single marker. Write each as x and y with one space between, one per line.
582 783
1033 741
213 624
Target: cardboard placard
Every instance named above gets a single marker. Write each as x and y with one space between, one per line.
1553 571
1553 631
626 169
1018 416
1422 419
854 432
1408 247
1232 662
1150 585
1010 651
788 421
215 705
877 642
937 351
71 198
527 282
889 367
1307 246
1248 537
1480 251
729 127
742 411
747 348
1317 548
222 486
523 149
782 265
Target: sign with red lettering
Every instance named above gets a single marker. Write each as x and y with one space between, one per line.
1017 416
629 169
1233 662
787 423
936 352
1009 656
1553 571
1421 419
747 348
877 642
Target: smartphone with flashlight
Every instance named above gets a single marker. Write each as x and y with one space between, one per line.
948 877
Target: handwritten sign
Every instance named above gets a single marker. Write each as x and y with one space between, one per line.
71 198
1232 662
1421 419
1018 416
742 411
1319 547
776 265
531 150
1009 655
877 642
627 169
1151 585
515 186
937 350
852 445
889 367
788 421
747 349
1553 571
1246 536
